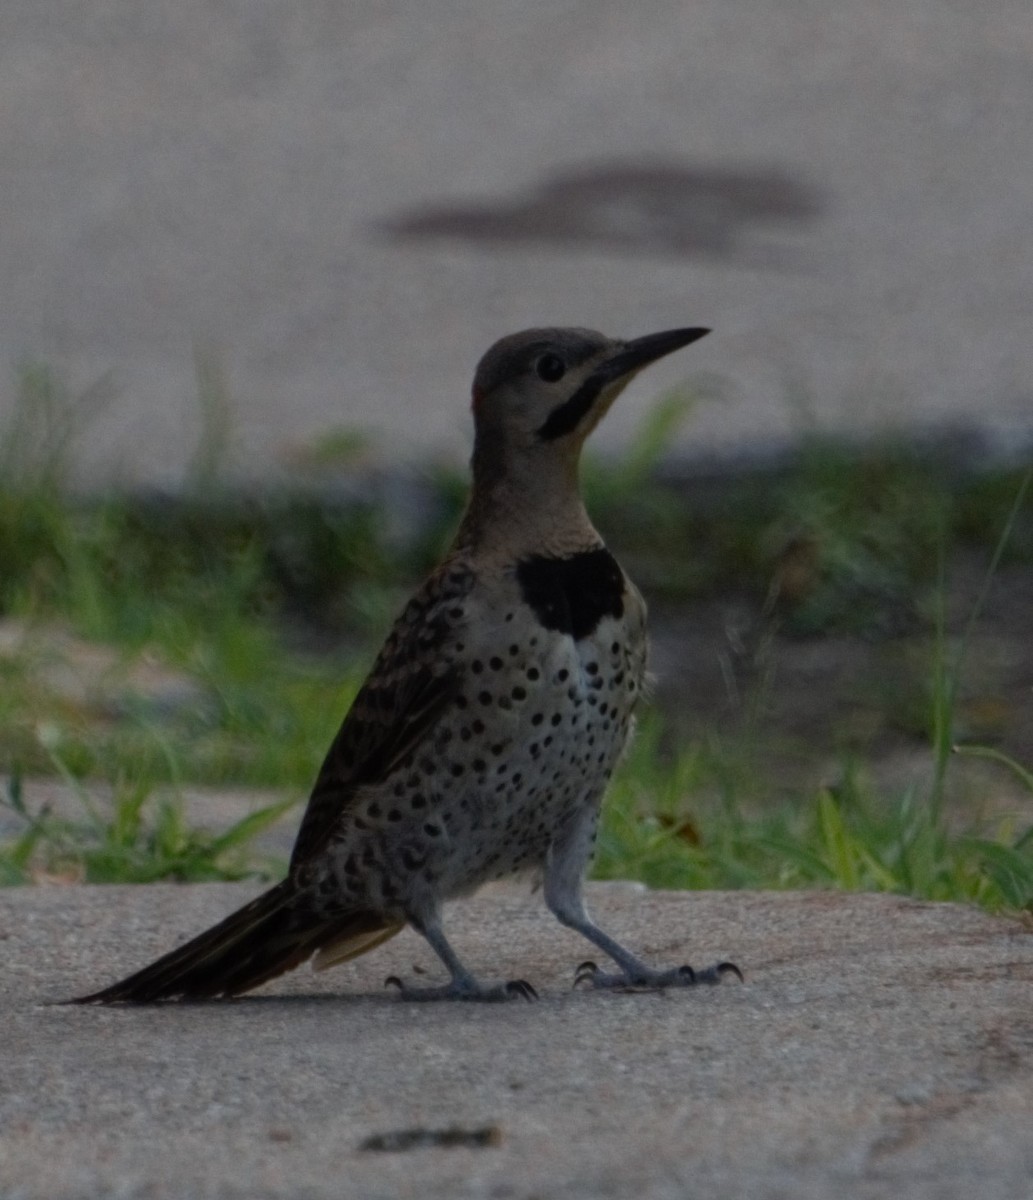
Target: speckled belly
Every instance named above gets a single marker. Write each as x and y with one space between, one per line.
531 740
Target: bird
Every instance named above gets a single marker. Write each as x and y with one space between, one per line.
483 739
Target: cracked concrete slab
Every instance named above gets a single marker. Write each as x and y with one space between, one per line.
879 1047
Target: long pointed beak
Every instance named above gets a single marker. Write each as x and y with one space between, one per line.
640 352
631 357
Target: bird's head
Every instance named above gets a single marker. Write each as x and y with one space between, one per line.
538 394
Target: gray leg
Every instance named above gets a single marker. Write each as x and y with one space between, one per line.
462 985
565 869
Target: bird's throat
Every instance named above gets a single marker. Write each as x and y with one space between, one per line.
531 503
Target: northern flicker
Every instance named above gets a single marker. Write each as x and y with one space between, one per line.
483 739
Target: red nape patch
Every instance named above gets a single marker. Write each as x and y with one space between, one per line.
476 396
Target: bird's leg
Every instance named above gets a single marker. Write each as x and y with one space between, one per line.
462 985
564 872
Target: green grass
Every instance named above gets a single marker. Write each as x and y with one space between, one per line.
139 838
242 595
681 824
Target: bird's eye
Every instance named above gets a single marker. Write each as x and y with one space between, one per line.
550 367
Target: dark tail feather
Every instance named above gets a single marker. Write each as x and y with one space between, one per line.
274 933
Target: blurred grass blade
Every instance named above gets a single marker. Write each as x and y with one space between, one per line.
1024 776
244 830
837 843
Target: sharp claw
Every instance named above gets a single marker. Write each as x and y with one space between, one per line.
514 988
686 972
718 971
585 971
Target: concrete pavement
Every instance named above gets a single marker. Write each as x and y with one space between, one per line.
880 1047
338 209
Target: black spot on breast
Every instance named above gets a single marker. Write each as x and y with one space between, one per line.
572 595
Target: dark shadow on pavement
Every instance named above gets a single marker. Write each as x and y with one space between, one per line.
651 207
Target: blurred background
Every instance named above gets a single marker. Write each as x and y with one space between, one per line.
346 204
252 253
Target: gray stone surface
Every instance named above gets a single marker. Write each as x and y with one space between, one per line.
880 1047
343 206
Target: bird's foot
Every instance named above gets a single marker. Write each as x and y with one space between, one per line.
465 989
647 979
